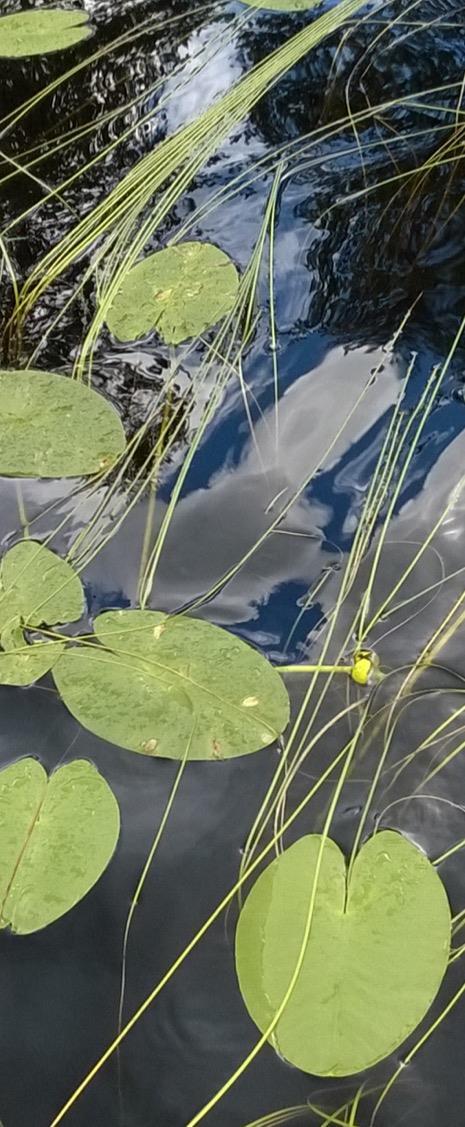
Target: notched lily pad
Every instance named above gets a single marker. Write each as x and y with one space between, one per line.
161 682
377 951
57 835
37 588
42 31
52 426
180 291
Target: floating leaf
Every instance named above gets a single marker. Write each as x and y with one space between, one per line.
375 958
21 663
41 586
57 835
52 426
37 588
40 32
159 678
180 291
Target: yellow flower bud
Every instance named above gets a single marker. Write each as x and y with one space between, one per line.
364 664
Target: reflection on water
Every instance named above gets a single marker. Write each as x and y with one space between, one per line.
219 522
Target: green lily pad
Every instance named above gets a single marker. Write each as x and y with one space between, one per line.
180 291
52 426
37 588
39 585
40 32
22 663
160 681
376 955
57 835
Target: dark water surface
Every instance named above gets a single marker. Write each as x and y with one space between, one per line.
345 276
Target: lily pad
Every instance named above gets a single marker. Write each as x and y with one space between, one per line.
22 663
37 588
375 958
57 835
180 291
39 585
52 426
160 681
42 31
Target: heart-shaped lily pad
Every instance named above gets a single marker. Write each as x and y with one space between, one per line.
180 291
52 426
37 588
57 835
41 31
375 958
161 681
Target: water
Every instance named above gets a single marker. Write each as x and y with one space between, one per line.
345 276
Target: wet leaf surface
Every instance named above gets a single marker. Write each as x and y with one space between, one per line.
52 426
41 32
180 291
158 678
37 588
376 955
57 835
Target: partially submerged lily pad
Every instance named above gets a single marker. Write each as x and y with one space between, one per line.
41 31
161 683
57 835
37 588
52 426
377 951
180 291
22 663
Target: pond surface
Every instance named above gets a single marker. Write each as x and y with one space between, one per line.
356 252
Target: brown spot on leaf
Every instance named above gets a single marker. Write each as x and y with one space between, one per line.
149 747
